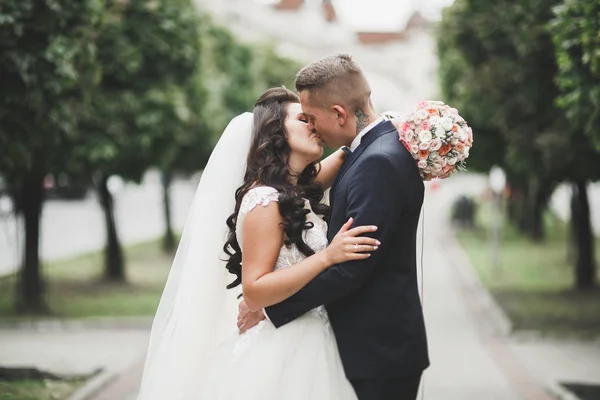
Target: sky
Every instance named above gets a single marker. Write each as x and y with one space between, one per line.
385 14
381 15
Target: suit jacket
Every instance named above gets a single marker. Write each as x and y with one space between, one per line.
373 304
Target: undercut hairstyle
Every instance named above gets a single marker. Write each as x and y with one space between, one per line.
335 79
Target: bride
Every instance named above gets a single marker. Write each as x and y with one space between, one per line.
265 169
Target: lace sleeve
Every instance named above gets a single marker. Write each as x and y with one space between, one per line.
261 195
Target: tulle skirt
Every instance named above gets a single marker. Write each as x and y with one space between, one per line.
299 361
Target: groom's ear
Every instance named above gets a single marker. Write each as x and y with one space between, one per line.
340 114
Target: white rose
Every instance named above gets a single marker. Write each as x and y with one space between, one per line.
424 145
446 123
434 155
414 149
462 136
422 114
454 141
451 160
435 144
425 136
466 152
422 164
440 132
434 120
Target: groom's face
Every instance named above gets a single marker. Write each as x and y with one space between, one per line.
324 121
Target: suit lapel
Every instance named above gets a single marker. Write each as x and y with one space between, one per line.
379 130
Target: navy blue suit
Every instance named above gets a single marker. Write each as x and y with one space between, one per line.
374 304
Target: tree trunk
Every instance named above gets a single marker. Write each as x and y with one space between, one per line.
514 195
585 268
517 206
30 296
169 238
114 265
573 227
541 195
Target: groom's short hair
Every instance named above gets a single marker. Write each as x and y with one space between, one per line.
335 79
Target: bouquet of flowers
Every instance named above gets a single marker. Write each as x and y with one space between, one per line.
437 137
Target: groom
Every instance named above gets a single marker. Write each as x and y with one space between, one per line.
373 304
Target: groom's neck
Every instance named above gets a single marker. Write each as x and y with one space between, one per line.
364 117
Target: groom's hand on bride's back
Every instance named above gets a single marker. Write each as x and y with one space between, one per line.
248 318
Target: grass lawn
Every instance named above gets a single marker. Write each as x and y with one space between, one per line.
75 288
38 389
535 282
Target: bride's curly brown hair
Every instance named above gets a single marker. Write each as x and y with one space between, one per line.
268 166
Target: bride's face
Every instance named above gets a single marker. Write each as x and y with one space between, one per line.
306 145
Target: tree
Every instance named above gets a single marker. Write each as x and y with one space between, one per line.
577 45
496 65
187 147
232 74
47 64
149 52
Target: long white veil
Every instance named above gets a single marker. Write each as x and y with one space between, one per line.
196 312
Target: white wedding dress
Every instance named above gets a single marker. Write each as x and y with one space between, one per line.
298 361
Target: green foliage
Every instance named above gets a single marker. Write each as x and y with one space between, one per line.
39 389
497 65
576 31
149 53
47 66
236 73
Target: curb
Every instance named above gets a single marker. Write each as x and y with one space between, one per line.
45 325
94 385
558 392
489 309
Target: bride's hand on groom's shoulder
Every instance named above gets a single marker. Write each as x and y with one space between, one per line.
348 244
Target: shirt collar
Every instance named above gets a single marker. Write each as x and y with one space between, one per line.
358 138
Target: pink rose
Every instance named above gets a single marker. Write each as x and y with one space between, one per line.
409 135
404 127
422 164
425 126
435 144
414 149
423 104
424 145
439 165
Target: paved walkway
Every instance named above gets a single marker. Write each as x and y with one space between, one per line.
139 218
72 352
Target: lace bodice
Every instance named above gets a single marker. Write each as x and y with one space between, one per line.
316 237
